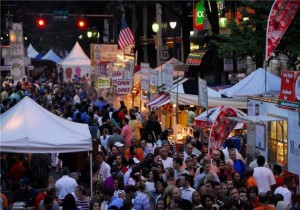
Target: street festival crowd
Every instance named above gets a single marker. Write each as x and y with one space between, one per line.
136 166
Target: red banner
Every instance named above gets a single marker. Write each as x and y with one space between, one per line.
280 17
221 128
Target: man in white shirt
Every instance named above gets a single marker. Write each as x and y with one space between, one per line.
166 161
263 176
186 189
253 164
65 184
104 170
284 190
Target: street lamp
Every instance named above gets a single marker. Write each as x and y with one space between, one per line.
155 27
173 26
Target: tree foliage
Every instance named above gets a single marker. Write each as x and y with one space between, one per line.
249 38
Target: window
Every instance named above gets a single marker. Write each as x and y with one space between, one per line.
278 143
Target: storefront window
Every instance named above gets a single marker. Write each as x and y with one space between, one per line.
278 142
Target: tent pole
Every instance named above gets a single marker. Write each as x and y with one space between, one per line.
91 171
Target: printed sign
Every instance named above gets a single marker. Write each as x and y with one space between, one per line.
145 74
289 96
124 86
17 51
202 89
103 82
115 76
168 76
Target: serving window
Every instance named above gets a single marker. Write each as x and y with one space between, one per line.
278 142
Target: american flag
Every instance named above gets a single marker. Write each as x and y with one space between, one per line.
126 37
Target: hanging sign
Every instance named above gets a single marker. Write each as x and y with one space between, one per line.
124 86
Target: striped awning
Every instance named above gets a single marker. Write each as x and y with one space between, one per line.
195 57
158 101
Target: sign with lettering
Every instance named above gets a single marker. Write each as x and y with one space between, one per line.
145 74
168 76
289 96
115 76
124 86
103 82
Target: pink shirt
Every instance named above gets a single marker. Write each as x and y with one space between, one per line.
127 134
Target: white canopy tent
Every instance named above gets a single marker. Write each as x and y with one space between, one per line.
31 52
76 63
258 82
52 56
29 128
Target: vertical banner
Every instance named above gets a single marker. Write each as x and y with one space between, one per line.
280 17
221 128
17 52
199 15
145 74
202 91
153 80
168 76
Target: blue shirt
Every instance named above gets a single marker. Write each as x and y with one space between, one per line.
141 201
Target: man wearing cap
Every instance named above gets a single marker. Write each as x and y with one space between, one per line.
25 193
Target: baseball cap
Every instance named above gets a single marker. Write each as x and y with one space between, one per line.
136 161
119 144
24 181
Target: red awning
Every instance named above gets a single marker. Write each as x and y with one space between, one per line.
158 101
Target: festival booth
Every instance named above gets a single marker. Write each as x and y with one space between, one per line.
76 63
29 128
52 56
258 82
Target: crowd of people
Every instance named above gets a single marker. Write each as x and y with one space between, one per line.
135 165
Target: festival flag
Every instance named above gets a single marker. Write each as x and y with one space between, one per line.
280 17
221 128
126 36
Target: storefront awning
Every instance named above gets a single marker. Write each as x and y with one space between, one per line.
158 101
256 119
195 57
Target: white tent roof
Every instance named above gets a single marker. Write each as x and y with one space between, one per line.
31 52
29 128
254 84
51 55
76 57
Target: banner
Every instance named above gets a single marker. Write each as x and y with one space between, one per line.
145 74
168 76
280 17
17 52
153 80
202 91
289 96
221 128
124 86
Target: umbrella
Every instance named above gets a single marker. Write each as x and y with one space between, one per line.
206 119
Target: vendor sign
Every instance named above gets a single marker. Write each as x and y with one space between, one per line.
103 82
115 76
124 86
289 96
145 74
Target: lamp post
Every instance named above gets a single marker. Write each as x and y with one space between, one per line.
155 29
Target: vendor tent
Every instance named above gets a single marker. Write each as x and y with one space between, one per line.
29 128
76 63
258 82
31 52
187 94
52 56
